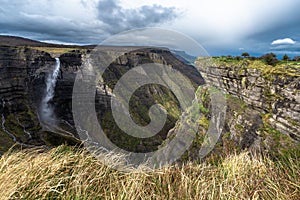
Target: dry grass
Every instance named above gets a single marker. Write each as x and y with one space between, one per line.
67 173
54 50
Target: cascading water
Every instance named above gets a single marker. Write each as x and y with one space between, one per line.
8 132
24 129
47 113
3 123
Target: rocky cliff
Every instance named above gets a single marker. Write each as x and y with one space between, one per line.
263 104
141 101
22 87
24 71
21 79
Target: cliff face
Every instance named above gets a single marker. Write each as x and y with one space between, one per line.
141 101
22 86
263 104
19 67
21 79
70 64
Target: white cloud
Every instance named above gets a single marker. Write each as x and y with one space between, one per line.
283 41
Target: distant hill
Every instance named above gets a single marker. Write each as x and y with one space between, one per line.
19 41
184 57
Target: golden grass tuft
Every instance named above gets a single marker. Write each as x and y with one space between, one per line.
69 173
54 50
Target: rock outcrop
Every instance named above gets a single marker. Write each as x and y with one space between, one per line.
263 104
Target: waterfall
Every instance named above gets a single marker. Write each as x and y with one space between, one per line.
47 112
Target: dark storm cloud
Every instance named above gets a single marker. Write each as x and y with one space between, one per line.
38 21
84 22
118 19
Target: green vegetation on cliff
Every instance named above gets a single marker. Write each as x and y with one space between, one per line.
289 68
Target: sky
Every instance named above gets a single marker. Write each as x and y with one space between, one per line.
222 27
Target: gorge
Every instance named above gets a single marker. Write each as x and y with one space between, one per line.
257 119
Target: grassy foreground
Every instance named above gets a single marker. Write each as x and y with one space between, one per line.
69 173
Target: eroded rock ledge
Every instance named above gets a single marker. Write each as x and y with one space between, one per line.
264 103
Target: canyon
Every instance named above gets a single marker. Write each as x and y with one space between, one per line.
262 111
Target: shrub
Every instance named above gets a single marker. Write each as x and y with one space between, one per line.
270 59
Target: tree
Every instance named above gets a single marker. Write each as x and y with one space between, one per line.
270 58
286 57
245 54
